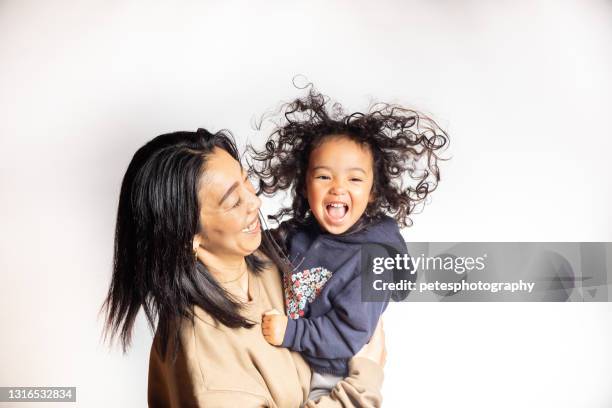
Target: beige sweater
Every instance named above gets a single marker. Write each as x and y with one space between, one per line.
218 366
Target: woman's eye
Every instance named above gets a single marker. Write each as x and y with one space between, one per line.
237 204
356 179
322 177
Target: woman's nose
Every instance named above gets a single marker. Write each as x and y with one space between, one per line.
254 202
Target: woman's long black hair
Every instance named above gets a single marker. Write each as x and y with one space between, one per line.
154 263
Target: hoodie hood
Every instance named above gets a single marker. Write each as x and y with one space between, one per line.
312 247
364 231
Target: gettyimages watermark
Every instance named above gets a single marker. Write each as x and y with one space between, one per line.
487 272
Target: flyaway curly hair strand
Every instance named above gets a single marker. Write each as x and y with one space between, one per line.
404 143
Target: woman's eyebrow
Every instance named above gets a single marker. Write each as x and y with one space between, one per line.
232 188
228 192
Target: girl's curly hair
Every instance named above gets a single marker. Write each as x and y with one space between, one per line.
405 146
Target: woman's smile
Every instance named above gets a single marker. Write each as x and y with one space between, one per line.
253 227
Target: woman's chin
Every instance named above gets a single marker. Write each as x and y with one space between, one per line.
252 244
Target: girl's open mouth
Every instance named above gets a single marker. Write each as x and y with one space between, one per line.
336 211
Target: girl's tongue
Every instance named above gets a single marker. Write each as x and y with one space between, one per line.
336 212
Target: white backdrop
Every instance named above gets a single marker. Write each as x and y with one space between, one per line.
523 88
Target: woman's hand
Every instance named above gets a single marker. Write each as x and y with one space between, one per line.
375 350
273 326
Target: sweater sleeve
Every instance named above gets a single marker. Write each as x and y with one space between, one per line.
341 332
179 383
361 389
172 384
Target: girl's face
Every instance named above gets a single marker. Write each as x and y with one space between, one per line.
229 210
339 183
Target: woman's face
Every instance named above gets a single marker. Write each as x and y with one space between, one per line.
229 209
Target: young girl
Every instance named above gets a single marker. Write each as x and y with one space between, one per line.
353 179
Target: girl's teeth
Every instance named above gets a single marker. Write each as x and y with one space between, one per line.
337 211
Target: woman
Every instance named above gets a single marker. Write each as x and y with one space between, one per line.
186 245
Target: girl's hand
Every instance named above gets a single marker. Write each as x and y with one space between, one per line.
375 350
273 326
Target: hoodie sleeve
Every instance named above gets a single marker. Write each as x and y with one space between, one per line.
340 333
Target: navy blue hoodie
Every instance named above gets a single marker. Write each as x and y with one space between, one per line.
329 323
